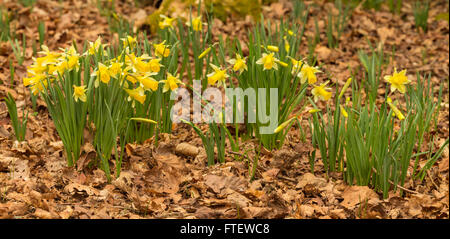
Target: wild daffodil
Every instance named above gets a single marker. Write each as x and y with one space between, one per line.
148 83
79 93
394 108
218 76
398 80
137 94
343 111
102 74
320 92
238 63
166 22
196 23
268 61
154 65
308 73
171 83
94 46
161 50
129 42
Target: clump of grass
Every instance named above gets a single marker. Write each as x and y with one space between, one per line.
395 6
421 9
19 127
373 66
337 24
5 31
19 51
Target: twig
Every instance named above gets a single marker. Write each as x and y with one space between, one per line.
432 181
404 189
286 178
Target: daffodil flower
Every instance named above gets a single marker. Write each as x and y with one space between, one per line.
203 54
312 111
50 57
196 23
129 42
394 108
171 82
218 76
79 93
94 46
162 50
102 74
347 84
398 80
154 65
148 83
287 47
166 22
283 125
115 68
320 92
343 111
308 73
268 61
272 48
282 63
296 65
137 94
238 63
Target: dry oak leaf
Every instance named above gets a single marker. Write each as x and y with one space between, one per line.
309 178
219 183
73 188
187 149
354 195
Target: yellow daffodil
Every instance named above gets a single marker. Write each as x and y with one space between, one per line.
50 57
203 54
282 63
115 68
320 92
291 33
94 46
312 111
154 65
162 50
103 74
347 84
272 48
171 82
129 42
166 22
308 73
284 125
72 62
394 108
38 87
238 63
79 93
218 76
287 47
398 80
268 61
343 111
141 65
196 23
148 83
137 94
296 65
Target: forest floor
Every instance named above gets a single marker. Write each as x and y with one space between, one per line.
169 181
